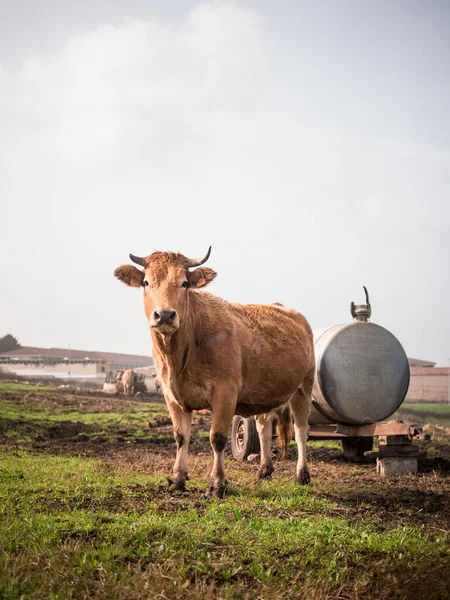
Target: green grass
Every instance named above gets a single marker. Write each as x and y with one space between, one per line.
132 412
324 444
106 526
23 387
65 534
438 414
443 409
37 416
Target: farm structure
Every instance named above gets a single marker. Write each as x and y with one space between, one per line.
428 383
67 362
362 377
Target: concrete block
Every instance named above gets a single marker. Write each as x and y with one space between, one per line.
396 466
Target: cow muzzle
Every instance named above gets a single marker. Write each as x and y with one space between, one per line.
165 321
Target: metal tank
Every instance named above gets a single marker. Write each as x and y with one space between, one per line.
362 372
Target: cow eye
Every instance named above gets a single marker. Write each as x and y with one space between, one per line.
145 283
184 284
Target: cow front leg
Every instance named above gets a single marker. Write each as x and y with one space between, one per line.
182 433
264 425
222 415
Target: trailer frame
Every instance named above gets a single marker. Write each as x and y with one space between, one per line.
383 428
397 454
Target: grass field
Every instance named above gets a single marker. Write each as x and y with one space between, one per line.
424 413
86 513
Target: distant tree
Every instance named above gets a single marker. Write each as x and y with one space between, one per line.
8 342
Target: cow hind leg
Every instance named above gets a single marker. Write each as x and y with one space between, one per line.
301 407
182 433
264 425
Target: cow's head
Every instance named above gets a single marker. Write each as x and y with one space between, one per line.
167 282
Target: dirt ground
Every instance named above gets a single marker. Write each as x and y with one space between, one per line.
129 436
410 499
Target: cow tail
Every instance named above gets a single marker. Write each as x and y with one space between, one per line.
285 430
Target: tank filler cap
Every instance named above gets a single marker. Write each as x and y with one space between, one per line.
361 312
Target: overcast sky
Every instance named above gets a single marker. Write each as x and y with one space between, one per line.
307 142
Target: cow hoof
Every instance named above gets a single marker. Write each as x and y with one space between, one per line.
177 484
217 492
265 473
304 477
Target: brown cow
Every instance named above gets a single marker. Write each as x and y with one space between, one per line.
230 358
158 386
119 384
129 380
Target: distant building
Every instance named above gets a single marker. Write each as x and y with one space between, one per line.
415 362
429 384
67 362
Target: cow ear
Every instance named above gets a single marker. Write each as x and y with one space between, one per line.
201 277
130 275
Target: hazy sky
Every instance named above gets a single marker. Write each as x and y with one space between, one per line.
307 142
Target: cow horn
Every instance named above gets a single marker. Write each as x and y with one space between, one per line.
196 262
138 260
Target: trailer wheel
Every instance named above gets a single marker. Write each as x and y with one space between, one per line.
244 437
353 448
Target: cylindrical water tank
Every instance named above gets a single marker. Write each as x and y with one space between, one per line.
362 373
